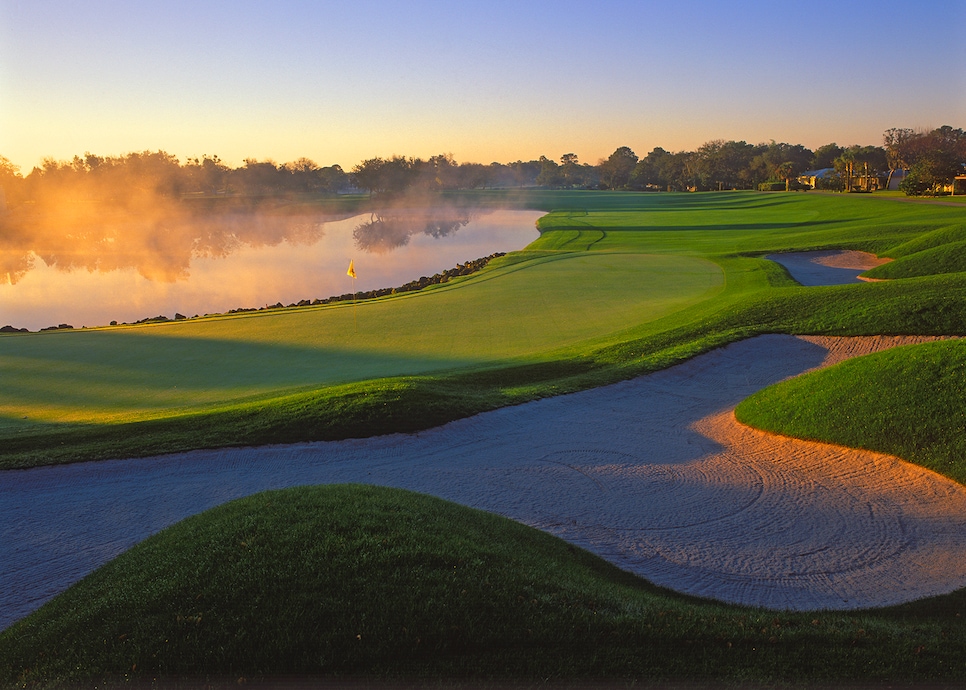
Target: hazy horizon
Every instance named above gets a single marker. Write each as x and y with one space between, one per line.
340 83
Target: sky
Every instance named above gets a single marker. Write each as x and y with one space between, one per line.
341 82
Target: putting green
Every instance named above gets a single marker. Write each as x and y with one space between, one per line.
512 311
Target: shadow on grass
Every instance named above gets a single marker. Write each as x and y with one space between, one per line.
152 372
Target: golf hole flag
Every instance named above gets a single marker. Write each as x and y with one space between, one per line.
352 271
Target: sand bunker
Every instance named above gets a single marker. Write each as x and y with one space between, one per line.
834 267
653 474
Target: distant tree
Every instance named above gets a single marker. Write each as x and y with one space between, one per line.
571 173
550 174
936 157
615 171
301 175
11 184
722 164
897 147
519 173
784 172
258 177
400 174
569 159
770 158
860 166
651 170
368 174
473 176
441 172
393 176
824 156
208 174
332 179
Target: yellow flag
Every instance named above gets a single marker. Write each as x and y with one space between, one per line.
352 270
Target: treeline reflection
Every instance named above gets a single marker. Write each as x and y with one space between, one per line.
390 230
159 240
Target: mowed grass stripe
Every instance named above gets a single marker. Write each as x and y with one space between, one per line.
517 311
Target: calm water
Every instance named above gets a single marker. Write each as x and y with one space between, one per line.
92 274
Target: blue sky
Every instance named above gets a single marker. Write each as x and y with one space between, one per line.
339 82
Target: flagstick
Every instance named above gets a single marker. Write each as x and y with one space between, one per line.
352 274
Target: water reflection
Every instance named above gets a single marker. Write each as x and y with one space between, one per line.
159 242
386 231
89 264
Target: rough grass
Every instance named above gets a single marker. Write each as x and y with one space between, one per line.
363 582
929 239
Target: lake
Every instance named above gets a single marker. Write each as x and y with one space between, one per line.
93 270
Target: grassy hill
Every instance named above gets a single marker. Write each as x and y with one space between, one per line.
368 583
909 402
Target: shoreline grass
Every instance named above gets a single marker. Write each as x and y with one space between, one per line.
574 301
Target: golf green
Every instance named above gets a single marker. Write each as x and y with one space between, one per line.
515 310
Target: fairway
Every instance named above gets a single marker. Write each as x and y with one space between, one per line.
523 309
617 284
654 473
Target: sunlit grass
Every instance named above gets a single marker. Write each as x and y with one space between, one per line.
618 284
946 258
909 402
352 581
520 310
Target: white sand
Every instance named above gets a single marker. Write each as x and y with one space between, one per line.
653 474
833 267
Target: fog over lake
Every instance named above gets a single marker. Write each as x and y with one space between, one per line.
93 268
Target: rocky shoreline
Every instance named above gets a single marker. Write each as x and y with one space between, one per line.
463 269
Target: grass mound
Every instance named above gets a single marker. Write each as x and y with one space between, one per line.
909 402
928 239
350 581
946 258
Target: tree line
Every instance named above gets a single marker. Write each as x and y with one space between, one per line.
929 159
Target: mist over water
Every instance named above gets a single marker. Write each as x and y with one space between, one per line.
87 264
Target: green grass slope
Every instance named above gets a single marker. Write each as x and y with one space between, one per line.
909 402
618 284
929 239
362 582
946 258
518 310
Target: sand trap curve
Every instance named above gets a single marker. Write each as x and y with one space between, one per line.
832 267
653 474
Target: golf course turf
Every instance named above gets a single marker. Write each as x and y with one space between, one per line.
616 286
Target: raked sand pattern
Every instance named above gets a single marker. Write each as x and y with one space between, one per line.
653 474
